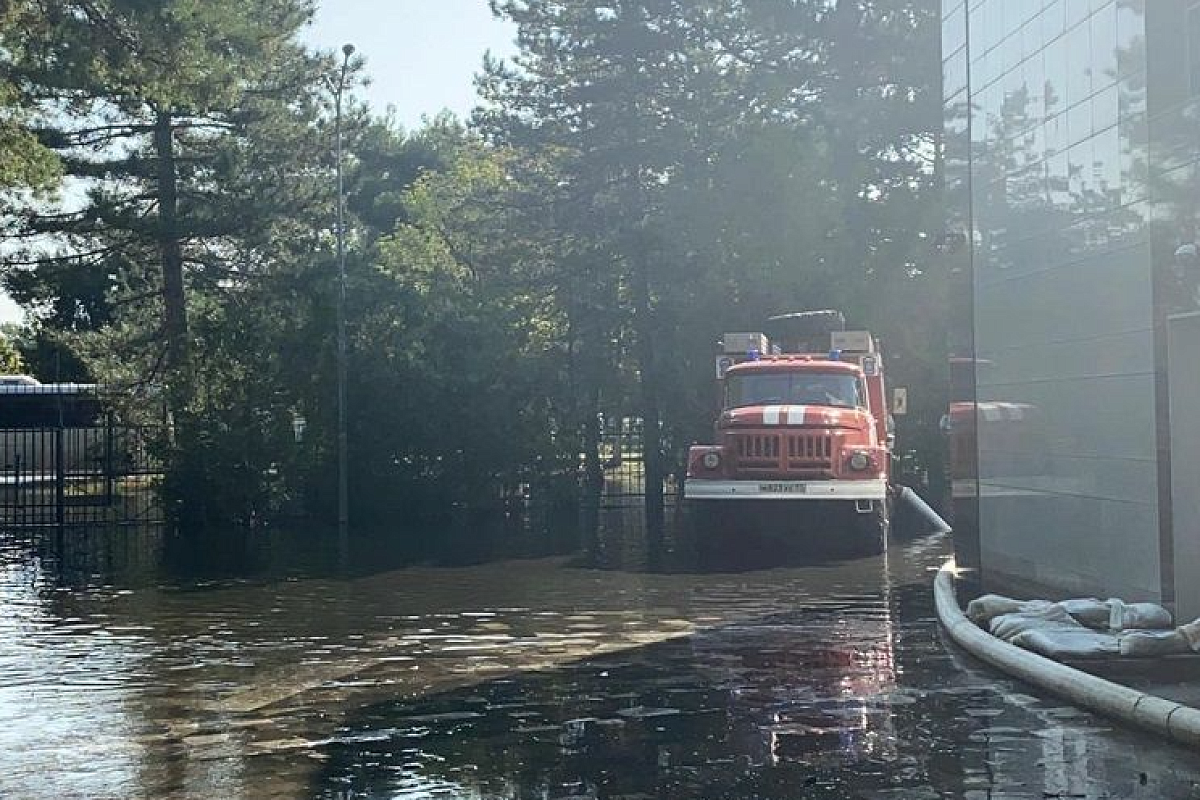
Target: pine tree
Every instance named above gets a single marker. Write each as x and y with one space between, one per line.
719 160
197 177
179 124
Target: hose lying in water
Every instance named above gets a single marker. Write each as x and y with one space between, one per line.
912 516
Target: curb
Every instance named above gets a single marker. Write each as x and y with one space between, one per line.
1172 720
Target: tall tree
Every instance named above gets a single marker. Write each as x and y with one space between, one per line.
725 160
611 89
188 130
166 116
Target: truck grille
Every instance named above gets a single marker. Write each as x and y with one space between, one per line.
805 452
758 448
808 450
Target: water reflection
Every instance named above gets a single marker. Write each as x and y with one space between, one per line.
517 679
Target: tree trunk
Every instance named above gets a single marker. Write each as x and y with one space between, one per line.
185 492
175 323
593 481
644 330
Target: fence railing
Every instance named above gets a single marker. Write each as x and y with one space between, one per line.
70 476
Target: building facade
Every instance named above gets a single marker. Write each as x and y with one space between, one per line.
1072 166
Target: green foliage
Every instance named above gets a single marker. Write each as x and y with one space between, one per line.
176 121
10 357
462 334
644 176
722 162
24 162
192 133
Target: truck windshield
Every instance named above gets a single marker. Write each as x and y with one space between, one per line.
793 388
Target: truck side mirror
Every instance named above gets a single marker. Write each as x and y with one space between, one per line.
900 401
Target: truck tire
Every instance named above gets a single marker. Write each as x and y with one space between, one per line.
871 531
700 536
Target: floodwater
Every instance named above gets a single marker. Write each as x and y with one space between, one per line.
528 679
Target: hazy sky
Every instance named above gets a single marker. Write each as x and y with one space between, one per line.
421 56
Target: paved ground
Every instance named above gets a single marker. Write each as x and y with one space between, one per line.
532 679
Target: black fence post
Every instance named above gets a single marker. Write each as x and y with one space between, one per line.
109 466
60 478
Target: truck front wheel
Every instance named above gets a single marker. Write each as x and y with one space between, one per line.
870 528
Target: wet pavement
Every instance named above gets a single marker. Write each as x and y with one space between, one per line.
529 679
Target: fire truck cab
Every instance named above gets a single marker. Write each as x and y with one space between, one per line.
803 421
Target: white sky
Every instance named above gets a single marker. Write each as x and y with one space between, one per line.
421 54
9 311
421 57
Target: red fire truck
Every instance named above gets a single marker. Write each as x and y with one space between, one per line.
803 421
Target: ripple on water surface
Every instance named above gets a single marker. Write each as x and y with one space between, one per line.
527 679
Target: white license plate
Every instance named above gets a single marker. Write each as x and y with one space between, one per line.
782 488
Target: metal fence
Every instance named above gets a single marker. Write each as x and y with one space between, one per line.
613 508
74 457
623 461
68 460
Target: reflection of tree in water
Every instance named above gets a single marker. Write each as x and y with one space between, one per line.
725 714
827 703
789 701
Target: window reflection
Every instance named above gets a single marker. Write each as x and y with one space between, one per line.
1059 164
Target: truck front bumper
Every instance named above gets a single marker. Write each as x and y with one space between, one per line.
695 489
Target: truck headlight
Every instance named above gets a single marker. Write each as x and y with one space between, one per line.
712 460
860 461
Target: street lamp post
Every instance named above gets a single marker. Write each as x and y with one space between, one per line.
342 443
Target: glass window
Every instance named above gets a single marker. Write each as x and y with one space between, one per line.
1056 77
1079 123
954 74
954 32
1079 63
1052 21
1077 11
1058 172
1055 137
1131 100
797 388
1105 109
1131 32
1106 164
1104 47
1079 161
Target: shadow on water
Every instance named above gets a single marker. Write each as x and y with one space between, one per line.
154 556
726 712
750 537
532 679
841 701
713 541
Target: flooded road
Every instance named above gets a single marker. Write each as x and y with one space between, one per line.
531 679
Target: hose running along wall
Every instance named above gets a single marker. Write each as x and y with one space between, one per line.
1167 718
